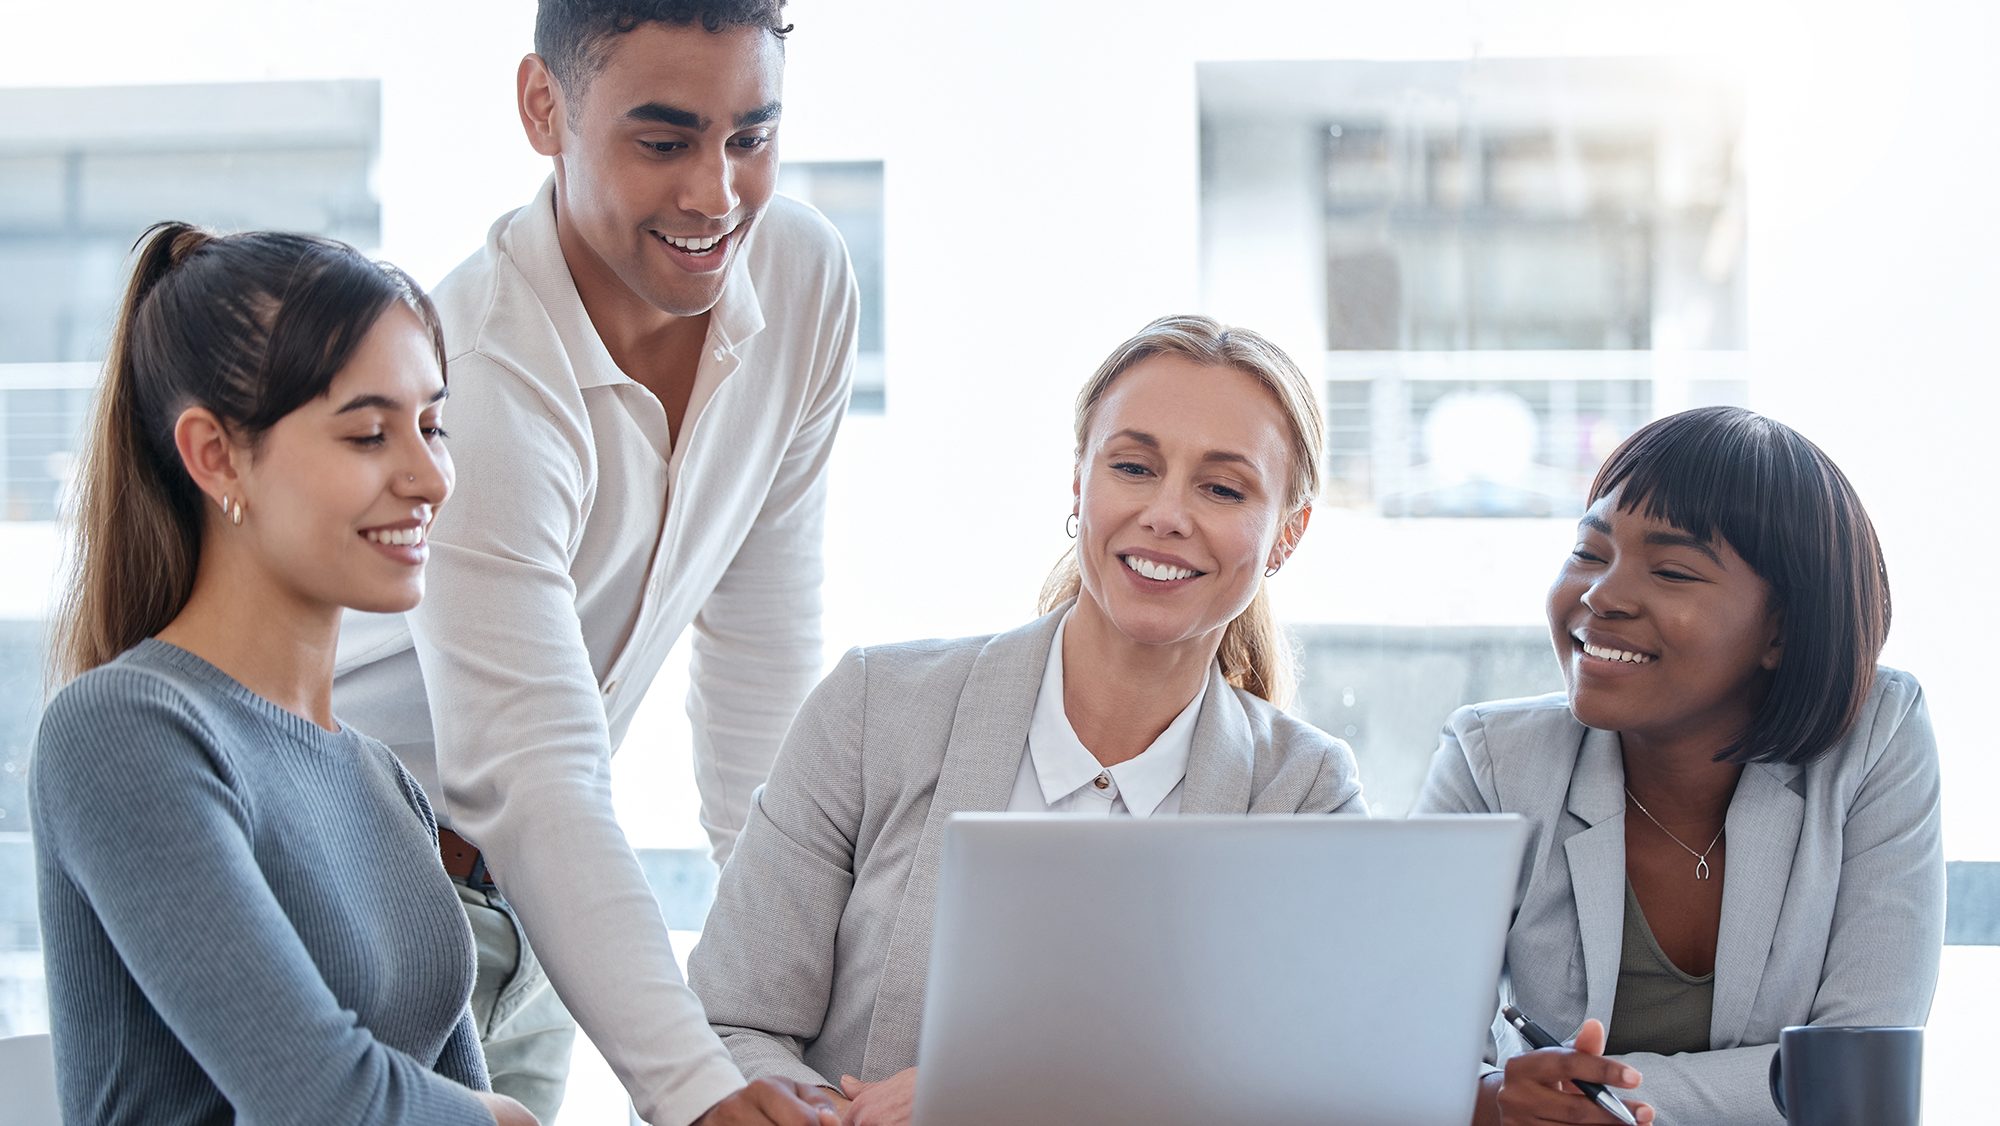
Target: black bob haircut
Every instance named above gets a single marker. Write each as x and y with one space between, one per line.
573 36
1729 473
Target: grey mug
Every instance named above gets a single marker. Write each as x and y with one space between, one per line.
1829 1076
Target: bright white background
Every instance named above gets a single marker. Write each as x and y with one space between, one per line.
1042 183
1042 189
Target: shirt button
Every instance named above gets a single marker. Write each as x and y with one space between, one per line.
611 686
721 355
1103 780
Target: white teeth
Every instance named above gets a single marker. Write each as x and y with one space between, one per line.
1158 571
694 245
396 537
1614 654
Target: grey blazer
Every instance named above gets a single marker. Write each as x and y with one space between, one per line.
1832 905
813 961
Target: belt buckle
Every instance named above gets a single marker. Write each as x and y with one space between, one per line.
481 877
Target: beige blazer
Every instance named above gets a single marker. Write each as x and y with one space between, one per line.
1832 902
814 958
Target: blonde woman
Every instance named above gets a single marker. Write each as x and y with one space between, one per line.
1152 685
242 907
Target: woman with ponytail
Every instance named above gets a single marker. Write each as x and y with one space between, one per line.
242 908
1150 686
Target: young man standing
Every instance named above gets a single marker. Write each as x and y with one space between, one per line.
648 364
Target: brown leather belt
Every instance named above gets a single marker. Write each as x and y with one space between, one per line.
461 860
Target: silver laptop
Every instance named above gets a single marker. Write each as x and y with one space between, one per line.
1178 971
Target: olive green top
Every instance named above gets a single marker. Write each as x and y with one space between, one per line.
1658 1008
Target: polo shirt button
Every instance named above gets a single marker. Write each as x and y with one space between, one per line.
1102 781
611 686
720 355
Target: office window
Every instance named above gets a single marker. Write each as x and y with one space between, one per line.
83 172
849 194
1522 261
1500 270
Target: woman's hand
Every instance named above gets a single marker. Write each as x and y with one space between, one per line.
1540 1086
774 1102
885 1102
505 1111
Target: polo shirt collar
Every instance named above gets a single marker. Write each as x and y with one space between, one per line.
738 315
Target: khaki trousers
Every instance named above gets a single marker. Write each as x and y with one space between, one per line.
523 1028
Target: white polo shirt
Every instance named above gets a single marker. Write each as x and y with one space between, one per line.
577 547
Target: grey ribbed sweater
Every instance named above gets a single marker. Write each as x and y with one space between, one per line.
243 915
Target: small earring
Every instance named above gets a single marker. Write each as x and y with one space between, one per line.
1070 525
236 513
225 505
1272 570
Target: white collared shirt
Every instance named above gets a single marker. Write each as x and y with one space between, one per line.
579 544
1060 775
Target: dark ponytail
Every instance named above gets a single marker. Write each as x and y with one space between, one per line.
250 326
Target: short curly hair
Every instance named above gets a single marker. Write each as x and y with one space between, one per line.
573 36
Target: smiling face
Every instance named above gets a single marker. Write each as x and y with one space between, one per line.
1661 636
664 160
340 492
1181 494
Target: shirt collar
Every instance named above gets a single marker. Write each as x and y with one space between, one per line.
738 314
1064 765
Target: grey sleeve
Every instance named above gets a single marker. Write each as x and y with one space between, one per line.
135 809
1337 789
461 1061
765 967
1453 784
1453 787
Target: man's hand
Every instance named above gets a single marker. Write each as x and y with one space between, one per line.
774 1102
886 1102
1540 1086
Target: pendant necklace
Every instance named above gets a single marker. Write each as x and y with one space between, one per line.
1700 858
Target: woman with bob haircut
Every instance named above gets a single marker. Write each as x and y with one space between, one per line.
242 907
1151 685
1734 809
